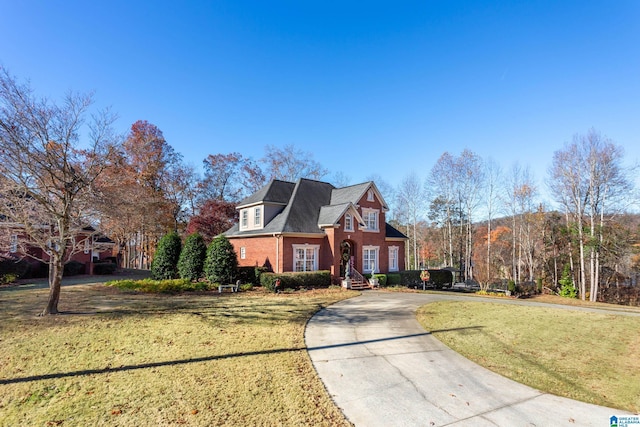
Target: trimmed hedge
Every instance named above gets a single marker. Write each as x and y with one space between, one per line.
438 277
317 279
73 268
23 268
394 279
102 268
411 277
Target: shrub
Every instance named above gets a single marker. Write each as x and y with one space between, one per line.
411 277
317 279
23 268
511 287
440 278
192 256
8 278
382 279
73 268
104 268
394 279
221 263
165 260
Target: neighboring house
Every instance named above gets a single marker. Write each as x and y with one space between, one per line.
90 246
312 225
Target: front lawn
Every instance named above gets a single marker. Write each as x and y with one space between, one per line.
581 355
129 359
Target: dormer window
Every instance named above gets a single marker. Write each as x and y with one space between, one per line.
257 217
245 219
348 222
370 197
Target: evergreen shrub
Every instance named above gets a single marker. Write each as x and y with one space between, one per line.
165 260
192 256
221 263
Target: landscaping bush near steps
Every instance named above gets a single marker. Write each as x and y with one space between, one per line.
314 279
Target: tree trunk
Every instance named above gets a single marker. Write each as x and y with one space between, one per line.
55 281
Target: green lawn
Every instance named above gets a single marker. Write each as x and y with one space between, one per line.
128 359
585 356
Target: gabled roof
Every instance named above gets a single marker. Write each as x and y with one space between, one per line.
308 207
354 193
330 215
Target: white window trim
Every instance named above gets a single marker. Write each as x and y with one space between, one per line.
257 217
13 245
348 222
365 216
87 245
376 265
243 252
370 197
395 251
244 218
316 254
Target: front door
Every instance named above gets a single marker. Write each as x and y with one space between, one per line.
347 260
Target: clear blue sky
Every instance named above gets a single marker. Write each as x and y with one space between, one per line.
367 87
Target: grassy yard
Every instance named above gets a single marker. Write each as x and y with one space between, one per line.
585 356
127 359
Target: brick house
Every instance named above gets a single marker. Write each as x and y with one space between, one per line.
312 225
89 246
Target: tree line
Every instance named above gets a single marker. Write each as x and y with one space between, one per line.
63 166
493 226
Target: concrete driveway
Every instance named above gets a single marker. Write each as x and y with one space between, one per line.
383 369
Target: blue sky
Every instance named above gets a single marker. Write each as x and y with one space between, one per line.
366 87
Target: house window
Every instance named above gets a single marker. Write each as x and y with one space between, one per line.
370 217
13 244
348 222
243 252
370 197
87 245
305 257
245 219
257 217
370 259
393 258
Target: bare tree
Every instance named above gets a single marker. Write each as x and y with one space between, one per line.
589 180
470 182
291 164
493 180
49 170
411 200
442 193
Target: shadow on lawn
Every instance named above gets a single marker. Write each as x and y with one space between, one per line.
549 371
212 358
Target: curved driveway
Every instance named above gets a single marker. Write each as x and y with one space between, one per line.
382 369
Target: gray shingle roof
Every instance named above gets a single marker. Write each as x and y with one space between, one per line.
309 206
276 191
